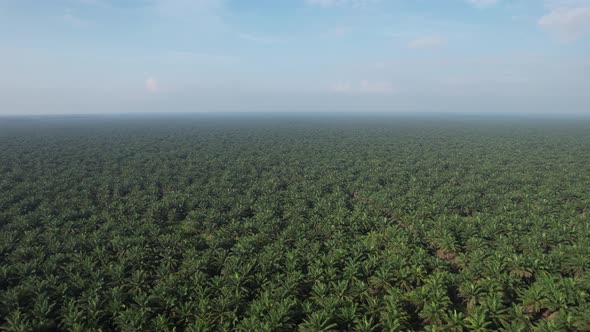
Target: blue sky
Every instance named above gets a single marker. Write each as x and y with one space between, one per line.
108 56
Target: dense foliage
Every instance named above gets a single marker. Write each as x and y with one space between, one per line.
279 224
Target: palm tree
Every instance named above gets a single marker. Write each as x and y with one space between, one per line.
347 315
582 317
454 322
381 280
42 310
318 321
73 317
478 320
365 324
434 312
393 317
545 325
496 309
17 321
533 299
471 293
518 268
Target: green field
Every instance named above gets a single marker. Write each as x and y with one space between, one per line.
286 223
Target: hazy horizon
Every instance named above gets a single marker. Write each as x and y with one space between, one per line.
303 115
203 56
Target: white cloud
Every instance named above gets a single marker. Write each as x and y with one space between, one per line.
259 39
324 3
88 2
74 20
376 87
363 87
335 3
337 32
151 85
197 59
483 3
567 20
342 87
189 8
552 4
427 42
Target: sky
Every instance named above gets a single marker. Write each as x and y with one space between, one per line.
112 56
